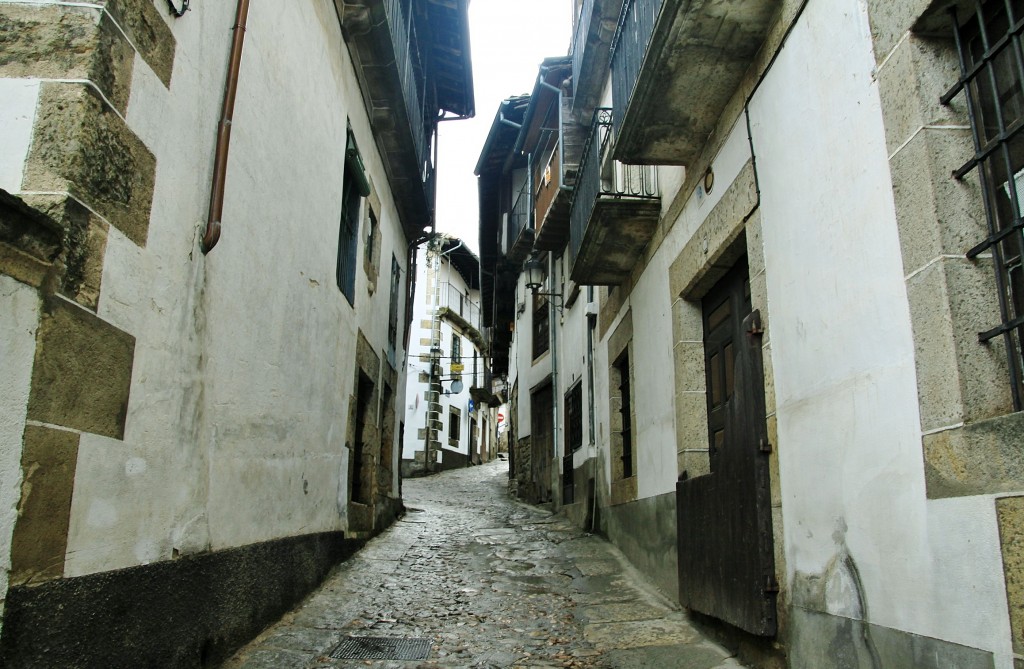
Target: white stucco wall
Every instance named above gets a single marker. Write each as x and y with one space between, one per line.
18 99
416 402
19 318
244 358
848 424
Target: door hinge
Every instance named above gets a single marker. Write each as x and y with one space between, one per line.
754 320
771 585
766 446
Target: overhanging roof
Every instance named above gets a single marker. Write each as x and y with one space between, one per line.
490 170
450 53
463 260
553 71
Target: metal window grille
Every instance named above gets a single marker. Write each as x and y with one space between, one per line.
454 425
456 348
626 412
541 326
992 69
396 275
574 418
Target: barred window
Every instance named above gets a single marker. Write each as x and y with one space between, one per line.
992 69
396 275
355 186
454 426
574 418
541 326
456 349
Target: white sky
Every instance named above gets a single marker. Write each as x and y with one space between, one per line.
509 39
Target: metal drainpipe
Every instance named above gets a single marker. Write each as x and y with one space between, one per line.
555 393
591 325
220 161
505 121
561 135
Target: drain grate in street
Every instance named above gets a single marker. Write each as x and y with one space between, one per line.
381 648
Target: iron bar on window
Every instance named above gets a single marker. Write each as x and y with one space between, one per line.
997 155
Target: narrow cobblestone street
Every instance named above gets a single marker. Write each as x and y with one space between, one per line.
488 582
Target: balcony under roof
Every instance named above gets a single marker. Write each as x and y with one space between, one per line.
696 57
413 64
615 211
555 141
591 52
496 160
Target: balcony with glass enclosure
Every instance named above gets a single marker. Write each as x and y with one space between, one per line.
615 211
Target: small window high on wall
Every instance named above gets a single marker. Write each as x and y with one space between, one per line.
355 186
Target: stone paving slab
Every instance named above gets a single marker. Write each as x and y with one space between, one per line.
492 583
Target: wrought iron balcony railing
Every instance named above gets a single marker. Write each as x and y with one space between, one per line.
602 178
629 47
412 75
461 304
519 219
579 40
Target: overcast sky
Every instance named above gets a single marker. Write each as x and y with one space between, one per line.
509 39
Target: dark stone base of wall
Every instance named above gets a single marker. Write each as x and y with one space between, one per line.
413 468
452 460
645 531
823 640
386 510
582 509
191 612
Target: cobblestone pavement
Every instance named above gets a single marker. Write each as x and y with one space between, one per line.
488 582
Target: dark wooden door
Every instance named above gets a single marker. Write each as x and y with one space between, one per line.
726 557
542 440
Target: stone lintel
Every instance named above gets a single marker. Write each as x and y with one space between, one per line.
713 249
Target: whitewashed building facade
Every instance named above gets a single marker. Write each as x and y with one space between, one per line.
449 420
203 351
782 369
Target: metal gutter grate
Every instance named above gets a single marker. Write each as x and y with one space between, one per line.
381 648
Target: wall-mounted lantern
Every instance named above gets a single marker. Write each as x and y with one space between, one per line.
533 270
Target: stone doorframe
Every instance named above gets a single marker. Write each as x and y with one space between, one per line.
731 230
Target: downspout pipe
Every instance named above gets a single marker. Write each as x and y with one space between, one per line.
505 121
220 162
750 97
561 134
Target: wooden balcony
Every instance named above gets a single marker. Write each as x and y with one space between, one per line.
614 213
553 205
675 65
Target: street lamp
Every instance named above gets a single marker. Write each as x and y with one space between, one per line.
533 270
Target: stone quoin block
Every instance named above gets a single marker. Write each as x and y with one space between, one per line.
82 372
83 147
936 214
62 42
40 538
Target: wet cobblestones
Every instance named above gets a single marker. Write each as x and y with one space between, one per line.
490 582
